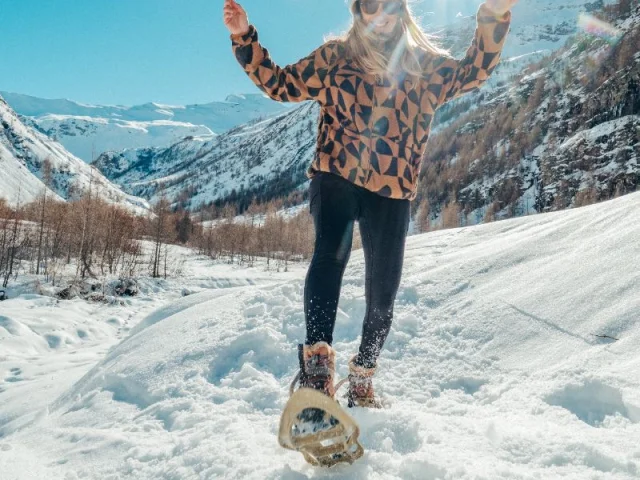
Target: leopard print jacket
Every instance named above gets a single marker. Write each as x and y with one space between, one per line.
374 133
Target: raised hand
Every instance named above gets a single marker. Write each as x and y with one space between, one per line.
500 7
235 18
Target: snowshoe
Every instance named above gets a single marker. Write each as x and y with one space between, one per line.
313 422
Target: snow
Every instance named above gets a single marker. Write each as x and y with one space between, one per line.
601 131
492 369
46 344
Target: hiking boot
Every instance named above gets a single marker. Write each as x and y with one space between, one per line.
317 367
360 393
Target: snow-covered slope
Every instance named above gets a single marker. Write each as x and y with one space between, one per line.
17 183
44 347
89 130
492 369
274 152
23 152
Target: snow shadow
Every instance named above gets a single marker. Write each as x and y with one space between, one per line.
468 385
129 391
592 402
550 324
265 349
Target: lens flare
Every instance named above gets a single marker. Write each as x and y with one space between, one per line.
396 57
599 28
595 27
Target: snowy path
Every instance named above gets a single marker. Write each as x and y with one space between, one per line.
47 345
492 369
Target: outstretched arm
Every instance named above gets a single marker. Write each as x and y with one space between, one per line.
303 80
461 76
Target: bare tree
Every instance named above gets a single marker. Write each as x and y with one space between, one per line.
46 179
451 215
159 225
423 218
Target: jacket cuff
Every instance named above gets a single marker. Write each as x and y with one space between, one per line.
485 12
246 39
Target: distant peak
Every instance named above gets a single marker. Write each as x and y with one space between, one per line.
244 97
234 98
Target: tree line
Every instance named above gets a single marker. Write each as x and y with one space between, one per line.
263 230
89 238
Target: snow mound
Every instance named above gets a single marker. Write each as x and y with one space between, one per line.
493 368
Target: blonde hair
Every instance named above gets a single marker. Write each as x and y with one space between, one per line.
362 48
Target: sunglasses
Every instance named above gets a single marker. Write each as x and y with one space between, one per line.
391 7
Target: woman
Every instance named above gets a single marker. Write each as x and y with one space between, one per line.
378 89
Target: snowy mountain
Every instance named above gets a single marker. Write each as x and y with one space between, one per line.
493 368
515 165
23 153
89 130
263 158
565 133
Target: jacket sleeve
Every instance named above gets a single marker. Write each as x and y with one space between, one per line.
461 76
303 80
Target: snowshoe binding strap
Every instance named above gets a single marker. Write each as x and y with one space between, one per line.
317 368
361 393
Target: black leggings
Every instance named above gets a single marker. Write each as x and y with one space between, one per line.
335 204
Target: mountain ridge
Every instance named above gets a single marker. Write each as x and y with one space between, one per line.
23 155
89 130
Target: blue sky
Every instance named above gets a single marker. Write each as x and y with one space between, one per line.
168 51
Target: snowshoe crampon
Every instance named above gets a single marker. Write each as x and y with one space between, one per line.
315 425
